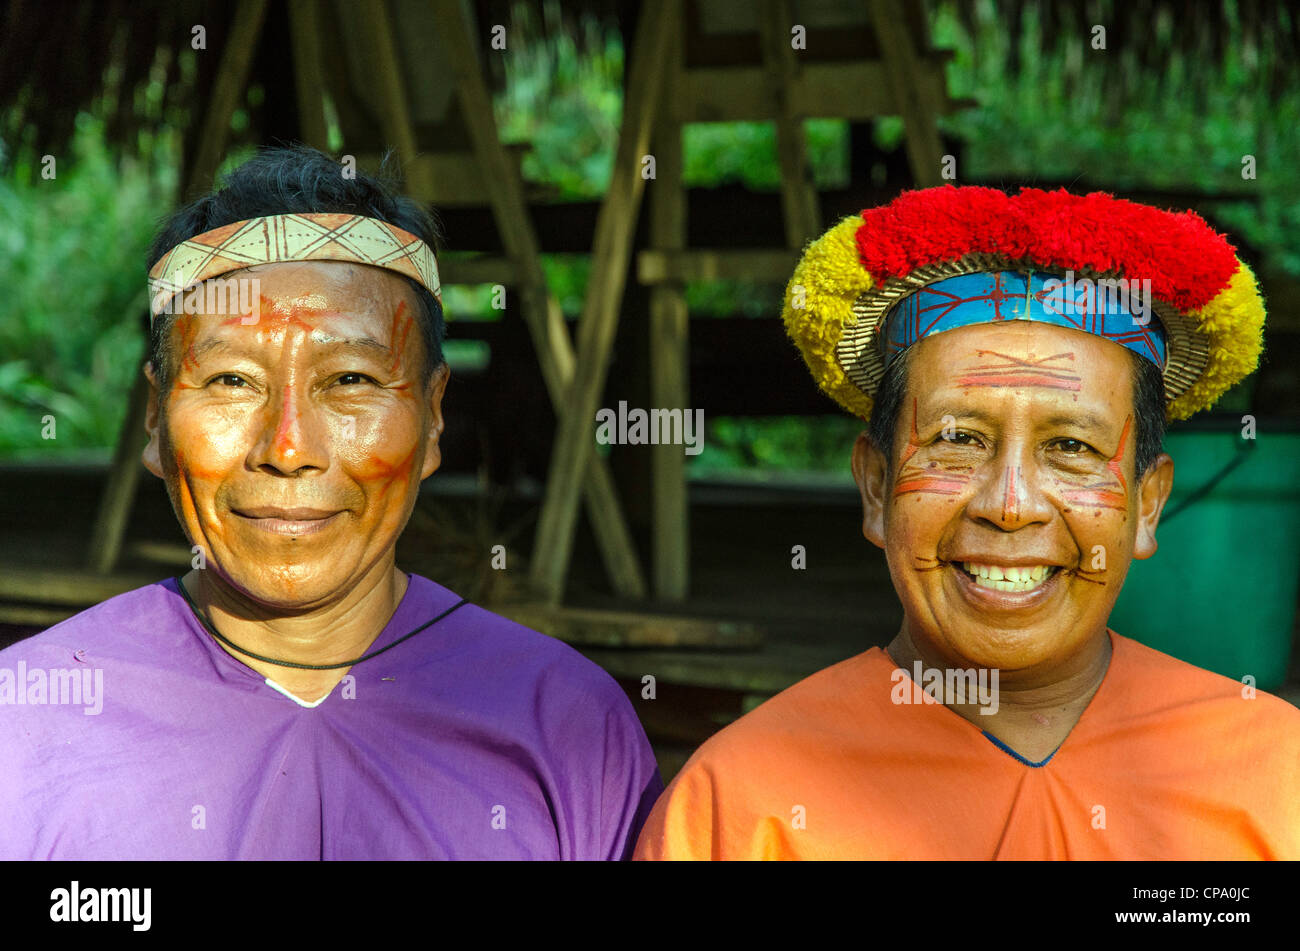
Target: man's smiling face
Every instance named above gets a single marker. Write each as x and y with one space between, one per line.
1014 448
293 446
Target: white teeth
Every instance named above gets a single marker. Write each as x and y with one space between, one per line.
997 578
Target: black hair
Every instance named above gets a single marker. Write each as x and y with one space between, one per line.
1148 409
294 180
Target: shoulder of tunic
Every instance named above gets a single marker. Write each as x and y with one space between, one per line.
1156 682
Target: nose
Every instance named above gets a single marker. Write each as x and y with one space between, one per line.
291 438
1008 494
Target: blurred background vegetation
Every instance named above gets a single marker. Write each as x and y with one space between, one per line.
1049 107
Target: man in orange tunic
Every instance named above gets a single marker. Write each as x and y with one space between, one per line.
1011 473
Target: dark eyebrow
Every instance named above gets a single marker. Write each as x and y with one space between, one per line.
1082 419
357 343
364 344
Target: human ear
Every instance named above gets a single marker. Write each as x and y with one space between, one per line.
432 451
1153 493
871 474
152 454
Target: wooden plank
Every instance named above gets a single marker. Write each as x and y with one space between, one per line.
623 629
374 37
798 197
766 671
304 25
540 310
32 617
484 269
669 354
655 266
849 90
123 478
79 589
615 226
231 79
914 102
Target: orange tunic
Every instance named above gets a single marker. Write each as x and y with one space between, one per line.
1168 761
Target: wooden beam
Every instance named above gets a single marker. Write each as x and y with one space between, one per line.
231 80
594 628
655 266
119 492
851 90
615 226
304 26
78 589
540 310
483 269
374 34
798 196
913 102
669 354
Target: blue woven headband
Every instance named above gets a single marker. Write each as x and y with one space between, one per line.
1096 306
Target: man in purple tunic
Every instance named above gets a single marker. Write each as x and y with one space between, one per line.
297 696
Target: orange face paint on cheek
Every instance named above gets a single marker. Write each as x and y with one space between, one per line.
379 471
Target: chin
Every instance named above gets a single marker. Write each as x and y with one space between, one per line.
1007 649
289 586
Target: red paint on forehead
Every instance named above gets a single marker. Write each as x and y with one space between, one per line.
1021 379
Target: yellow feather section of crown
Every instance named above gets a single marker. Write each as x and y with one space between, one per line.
819 305
1234 323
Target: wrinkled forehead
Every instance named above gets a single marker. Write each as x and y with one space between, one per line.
330 285
1024 363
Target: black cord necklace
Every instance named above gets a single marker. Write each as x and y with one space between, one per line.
211 629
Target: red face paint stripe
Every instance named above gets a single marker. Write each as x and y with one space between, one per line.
1009 500
1114 464
1055 383
287 418
401 330
936 485
1098 498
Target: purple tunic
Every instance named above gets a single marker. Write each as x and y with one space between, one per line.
476 738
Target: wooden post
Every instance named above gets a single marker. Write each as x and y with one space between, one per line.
304 25
615 226
669 350
798 196
375 31
231 78
541 311
903 67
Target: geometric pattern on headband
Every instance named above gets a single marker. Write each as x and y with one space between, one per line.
308 236
1092 306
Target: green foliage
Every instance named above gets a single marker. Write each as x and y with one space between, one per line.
723 153
71 261
782 444
1074 111
563 97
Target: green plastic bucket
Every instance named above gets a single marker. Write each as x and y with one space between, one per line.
1220 591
